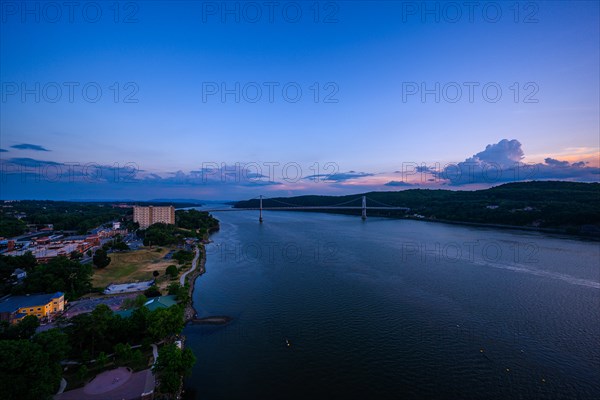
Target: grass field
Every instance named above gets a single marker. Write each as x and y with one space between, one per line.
134 266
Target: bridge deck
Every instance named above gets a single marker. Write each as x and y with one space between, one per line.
304 208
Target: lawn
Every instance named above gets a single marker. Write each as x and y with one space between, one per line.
132 266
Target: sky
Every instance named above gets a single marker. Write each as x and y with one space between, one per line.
231 100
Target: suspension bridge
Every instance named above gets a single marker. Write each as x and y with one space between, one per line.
288 207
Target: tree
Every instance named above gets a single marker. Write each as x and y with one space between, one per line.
102 359
101 258
172 271
10 226
160 234
183 256
82 372
152 291
89 253
181 292
60 275
123 353
8 264
75 255
139 301
120 245
27 372
55 343
92 332
172 364
165 321
155 274
138 360
24 329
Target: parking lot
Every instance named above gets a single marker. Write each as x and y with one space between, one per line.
88 305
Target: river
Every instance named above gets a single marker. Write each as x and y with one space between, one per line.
394 309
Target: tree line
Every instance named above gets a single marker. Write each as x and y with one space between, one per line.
31 362
569 206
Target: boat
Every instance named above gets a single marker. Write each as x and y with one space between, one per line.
287 342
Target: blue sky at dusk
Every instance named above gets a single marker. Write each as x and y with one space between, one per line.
327 97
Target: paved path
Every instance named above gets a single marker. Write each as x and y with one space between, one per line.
63 385
194 265
154 353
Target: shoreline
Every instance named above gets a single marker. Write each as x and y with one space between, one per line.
190 312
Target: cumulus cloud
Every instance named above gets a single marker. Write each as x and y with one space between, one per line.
556 163
502 162
28 146
505 153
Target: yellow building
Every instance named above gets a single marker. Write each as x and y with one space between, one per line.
15 308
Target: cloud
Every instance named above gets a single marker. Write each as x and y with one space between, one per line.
555 163
3 151
337 177
27 146
51 171
30 162
423 168
502 162
505 153
497 163
398 184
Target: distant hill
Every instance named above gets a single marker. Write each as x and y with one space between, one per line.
570 207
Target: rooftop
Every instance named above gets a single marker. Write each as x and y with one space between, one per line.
152 304
13 303
160 302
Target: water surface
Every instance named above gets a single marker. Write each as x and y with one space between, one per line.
394 309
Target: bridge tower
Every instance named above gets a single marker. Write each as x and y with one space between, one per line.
364 208
260 218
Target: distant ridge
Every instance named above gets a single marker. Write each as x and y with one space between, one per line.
568 207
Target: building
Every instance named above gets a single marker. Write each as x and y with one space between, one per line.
146 216
46 250
19 274
15 308
152 304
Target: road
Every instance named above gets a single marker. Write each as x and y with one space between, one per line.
194 265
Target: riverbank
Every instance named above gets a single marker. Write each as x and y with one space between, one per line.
189 312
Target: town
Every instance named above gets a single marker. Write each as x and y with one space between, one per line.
65 288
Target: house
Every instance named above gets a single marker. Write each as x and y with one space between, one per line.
14 308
